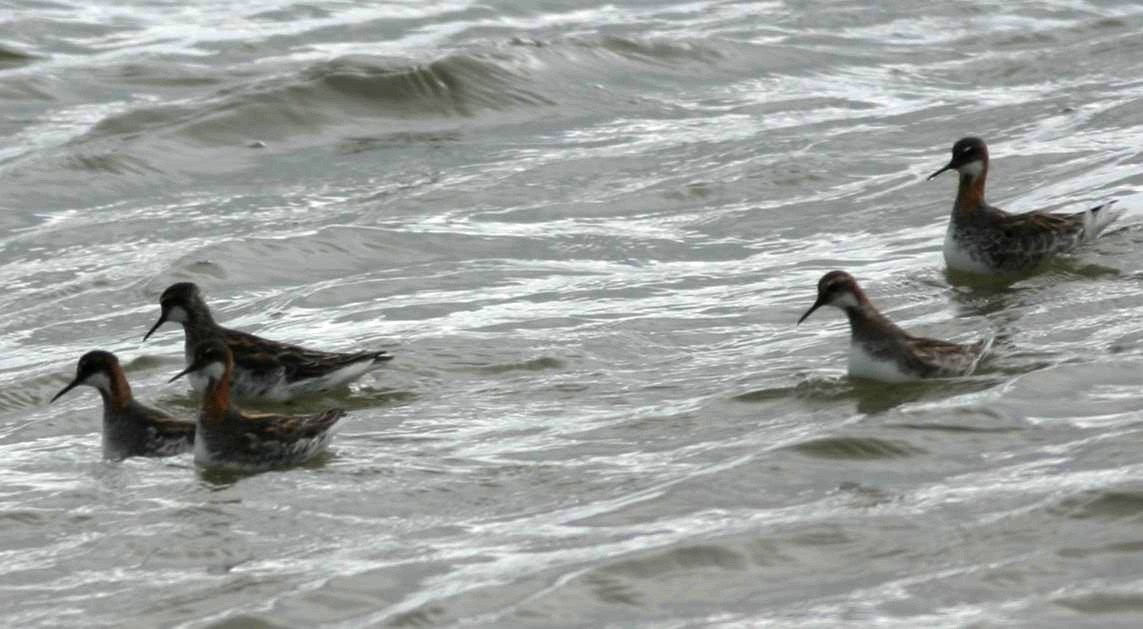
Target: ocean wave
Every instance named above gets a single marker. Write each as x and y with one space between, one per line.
329 94
515 75
12 58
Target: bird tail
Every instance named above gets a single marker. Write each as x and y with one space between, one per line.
381 357
1098 218
984 346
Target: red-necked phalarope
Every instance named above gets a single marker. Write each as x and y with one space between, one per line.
229 438
129 428
879 350
263 369
986 240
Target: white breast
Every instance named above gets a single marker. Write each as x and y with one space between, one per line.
202 454
957 259
864 365
198 381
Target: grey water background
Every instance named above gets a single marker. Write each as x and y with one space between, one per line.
585 230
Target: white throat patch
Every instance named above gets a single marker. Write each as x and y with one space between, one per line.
844 300
214 371
973 168
177 314
99 380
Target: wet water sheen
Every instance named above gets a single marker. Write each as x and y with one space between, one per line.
585 230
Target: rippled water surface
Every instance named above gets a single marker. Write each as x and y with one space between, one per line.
586 231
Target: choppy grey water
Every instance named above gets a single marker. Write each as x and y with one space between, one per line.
585 230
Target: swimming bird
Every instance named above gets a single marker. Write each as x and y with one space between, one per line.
986 240
129 428
879 350
263 369
230 438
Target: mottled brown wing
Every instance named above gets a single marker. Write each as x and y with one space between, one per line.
945 356
164 423
291 428
312 364
174 427
1035 224
250 350
1026 240
297 362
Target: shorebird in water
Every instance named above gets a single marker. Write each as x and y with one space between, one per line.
129 428
986 240
232 439
263 369
879 350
